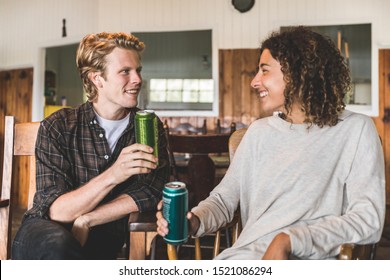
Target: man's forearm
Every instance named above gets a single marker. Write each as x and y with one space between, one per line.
82 200
111 211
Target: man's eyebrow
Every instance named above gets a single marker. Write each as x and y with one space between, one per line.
264 64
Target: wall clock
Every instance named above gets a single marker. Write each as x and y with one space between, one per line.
243 5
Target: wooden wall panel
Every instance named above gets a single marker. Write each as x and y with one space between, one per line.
382 122
225 82
16 99
238 100
236 94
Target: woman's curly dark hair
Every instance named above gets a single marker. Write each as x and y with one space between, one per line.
315 73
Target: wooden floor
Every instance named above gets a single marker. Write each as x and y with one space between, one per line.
382 252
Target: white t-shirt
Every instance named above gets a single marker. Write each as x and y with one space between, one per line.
113 129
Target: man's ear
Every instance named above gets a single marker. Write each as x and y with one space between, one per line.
96 79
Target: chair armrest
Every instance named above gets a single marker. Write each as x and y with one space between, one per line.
4 203
145 221
357 252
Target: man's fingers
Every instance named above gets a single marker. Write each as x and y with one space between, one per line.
138 147
140 156
162 224
141 163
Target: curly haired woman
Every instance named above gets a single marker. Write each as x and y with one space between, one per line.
309 177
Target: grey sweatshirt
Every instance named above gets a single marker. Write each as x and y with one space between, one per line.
322 186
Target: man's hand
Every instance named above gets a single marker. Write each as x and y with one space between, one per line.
162 224
80 229
134 159
279 248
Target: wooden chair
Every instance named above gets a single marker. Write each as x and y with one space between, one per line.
200 168
19 140
142 233
347 251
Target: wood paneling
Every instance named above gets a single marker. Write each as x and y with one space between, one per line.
382 122
16 99
238 101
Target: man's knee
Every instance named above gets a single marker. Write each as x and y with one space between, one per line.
42 239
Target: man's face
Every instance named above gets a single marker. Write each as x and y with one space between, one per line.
123 80
269 84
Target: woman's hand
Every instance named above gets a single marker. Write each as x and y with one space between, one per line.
80 229
279 248
162 224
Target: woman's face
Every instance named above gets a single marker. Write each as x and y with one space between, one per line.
269 84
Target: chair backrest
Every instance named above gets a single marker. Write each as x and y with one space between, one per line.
19 140
200 168
235 140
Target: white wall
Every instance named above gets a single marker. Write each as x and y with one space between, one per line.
26 26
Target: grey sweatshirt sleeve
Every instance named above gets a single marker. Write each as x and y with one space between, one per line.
363 210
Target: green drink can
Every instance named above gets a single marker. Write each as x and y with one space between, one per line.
146 129
175 208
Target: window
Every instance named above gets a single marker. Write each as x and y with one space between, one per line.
200 92
177 71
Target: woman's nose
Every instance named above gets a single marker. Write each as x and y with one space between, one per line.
256 81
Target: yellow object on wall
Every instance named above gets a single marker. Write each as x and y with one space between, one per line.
50 109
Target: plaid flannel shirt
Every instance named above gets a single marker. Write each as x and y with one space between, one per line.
71 150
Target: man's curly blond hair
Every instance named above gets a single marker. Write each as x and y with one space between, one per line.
92 51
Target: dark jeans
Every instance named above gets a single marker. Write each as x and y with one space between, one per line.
44 239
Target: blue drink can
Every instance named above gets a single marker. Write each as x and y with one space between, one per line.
175 208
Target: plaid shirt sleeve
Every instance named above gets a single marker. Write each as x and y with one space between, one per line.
146 190
53 170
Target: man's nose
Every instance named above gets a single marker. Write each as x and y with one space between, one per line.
136 78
